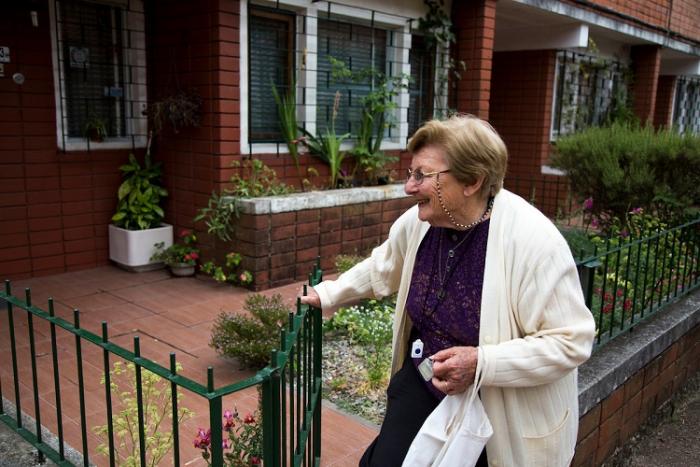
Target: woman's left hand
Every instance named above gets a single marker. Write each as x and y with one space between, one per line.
454 369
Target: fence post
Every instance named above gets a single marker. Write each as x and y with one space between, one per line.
586 274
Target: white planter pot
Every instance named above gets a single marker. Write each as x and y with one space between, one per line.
132 249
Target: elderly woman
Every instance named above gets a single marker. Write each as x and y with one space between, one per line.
474 265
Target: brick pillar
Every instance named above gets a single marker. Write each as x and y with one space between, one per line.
646 61
665 92
475 24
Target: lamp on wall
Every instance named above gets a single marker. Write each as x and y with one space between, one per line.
35 18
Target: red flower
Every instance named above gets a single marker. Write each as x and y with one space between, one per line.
228 420
607 308
627 305
194 255
254 460
608 297
184 233
620 292
203 439
249 419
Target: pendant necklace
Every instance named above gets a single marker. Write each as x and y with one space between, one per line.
445 275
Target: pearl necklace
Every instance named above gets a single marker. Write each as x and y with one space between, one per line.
489 205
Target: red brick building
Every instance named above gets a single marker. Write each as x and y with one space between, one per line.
536 69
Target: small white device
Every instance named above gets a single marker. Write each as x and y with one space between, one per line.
417 349
426 369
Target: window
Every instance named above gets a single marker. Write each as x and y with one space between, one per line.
420 104
686 105
587 90
272 40
361 48
99 72
290 42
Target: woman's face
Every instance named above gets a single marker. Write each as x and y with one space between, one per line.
430 159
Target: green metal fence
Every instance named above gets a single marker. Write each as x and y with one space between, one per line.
291 387
630 279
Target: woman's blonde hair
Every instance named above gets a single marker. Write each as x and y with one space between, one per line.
472 147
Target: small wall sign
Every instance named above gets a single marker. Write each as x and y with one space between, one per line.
4 54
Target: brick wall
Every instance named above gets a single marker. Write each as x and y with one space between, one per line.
54 206
615 419
474 24
282 247
646 62
678 15
195 45
665 92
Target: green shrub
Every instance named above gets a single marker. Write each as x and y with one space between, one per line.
345 262
251 339
626 166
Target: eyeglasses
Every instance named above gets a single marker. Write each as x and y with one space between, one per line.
418 175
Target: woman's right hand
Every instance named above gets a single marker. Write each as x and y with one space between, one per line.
311 298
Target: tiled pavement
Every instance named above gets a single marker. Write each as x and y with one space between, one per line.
170 315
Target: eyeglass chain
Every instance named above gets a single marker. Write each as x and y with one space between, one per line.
489 205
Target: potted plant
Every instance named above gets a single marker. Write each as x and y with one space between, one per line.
183 109
95 129
182 257
138 222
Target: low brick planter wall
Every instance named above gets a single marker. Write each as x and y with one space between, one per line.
630 378
280 237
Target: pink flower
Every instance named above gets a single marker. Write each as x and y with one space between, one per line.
637 211
225 444
203 439
249 419
185 233
594 223
624 233
588 203
254 460
187 257
194 255
228 420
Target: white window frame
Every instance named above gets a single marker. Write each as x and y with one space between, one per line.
135 92
308 11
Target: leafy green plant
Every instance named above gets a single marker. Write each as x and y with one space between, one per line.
178 253
157 409
251 339
180 110
230 271
287 113
625 166
377 106
437 29
140 195
243 447
368 325
326 146
256 179
95 128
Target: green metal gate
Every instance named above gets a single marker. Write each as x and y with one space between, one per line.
291 387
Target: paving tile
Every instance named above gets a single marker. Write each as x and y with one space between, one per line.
170 315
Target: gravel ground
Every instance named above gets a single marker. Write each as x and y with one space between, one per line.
15 451
345 381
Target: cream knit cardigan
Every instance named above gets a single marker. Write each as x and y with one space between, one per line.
534 330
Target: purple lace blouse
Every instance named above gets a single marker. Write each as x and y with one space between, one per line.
444 299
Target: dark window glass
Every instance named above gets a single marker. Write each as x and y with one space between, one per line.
93 71
360 48
271 62
686 108
420 90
